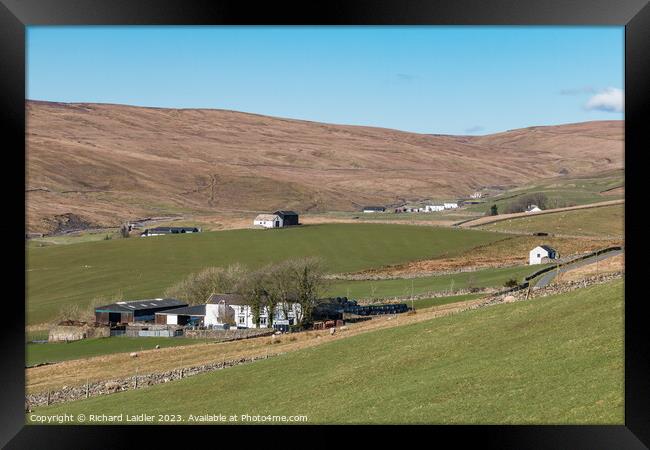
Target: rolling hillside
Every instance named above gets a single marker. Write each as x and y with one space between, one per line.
99 164
557 359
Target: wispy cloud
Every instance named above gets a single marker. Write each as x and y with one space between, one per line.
474 129
608 100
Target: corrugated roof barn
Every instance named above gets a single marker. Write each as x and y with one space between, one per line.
134 311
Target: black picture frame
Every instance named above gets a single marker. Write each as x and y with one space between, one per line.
15 15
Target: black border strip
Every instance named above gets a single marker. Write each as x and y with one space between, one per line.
16 14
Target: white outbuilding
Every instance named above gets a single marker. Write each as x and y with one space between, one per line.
450 205
542 254
268 221
434 208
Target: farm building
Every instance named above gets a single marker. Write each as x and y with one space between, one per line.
187 315
134 311
286 313
278 219
216 313
159 231
542 254
373 209
450 205
289 218
434 208
268 221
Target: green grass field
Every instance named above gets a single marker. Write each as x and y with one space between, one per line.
86 348
424 303
560 192
551 360
402 287
605 221
144 267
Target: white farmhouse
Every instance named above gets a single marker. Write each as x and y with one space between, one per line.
268 221
433 208
542 254
286 313
450 205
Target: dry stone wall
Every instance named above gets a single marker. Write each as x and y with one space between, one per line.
94 389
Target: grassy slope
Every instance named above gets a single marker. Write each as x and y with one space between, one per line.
551 360
54 352
603 221
144 267
564 191
439 301
456 281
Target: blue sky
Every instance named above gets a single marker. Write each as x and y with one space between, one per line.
447 80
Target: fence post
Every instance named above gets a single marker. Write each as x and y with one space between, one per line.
87 387
48 397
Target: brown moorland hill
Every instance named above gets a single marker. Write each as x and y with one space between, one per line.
99 164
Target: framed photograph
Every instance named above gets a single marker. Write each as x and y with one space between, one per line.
400 214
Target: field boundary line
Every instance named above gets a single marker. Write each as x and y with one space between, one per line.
486 220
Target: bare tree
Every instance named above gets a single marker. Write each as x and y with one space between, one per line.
309 282
253 289
197 287
281 288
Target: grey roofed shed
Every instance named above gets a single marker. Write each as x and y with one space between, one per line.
141 305
194 310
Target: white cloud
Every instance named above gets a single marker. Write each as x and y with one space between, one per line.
609 100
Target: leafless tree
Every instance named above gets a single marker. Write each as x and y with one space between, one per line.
197 287
308 277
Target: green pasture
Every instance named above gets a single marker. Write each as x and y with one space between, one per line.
402 287
86 348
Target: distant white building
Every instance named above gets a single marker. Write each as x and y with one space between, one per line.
542 254
433 208
533 209
476 194
450 205
373 209
268 221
